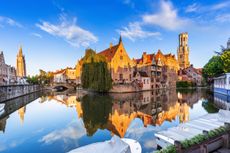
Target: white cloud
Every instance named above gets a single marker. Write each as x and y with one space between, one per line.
36 35
70 31
223 18
73 131
135 31
221 5
8 21
192 8
166 17
151 143
129 2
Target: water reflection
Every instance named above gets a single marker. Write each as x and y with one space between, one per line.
222 101
115 112
97 117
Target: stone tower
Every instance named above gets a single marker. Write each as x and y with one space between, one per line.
183 51
21 64
228 44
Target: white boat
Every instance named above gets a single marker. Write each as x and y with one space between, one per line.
2 110
115 145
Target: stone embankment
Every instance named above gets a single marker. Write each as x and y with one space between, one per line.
13 91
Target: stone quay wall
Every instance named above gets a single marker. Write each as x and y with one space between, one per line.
13 91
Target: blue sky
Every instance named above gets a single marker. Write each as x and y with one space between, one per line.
55 33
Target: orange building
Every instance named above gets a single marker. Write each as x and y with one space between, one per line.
119 63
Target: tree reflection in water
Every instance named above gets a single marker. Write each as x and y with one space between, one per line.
96 110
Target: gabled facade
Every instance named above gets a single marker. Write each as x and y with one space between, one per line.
67 75
119 64
161 68
191 74
142 79
7 72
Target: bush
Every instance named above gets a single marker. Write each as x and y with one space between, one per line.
185 84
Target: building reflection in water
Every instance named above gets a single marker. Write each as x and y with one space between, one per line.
21 113
222 101
115 112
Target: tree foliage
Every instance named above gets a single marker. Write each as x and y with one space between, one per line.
225 57
42 78
213 68
95 73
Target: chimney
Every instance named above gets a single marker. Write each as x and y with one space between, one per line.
110 45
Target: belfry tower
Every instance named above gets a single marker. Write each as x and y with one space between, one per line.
21 64
183 51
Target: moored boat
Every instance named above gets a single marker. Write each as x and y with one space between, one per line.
115 145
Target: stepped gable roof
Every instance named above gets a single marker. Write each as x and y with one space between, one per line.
109 52
150 58
142 73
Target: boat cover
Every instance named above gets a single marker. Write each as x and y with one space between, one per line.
115 145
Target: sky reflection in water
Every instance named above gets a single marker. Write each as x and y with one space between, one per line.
59 123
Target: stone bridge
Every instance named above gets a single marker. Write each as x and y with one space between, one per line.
62 86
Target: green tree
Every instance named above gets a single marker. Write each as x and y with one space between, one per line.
95 73
225 57
214 67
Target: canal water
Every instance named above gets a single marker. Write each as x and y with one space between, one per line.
60 122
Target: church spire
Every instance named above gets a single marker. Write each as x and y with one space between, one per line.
120 40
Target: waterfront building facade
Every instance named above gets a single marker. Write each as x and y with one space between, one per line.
191 74
21 64
142 79
59 76
148 63
7 72
222 84
183 51
119 64
67 75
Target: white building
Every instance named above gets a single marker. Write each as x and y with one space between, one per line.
143 80
222 84
60 76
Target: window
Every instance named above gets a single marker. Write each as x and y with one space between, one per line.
121 57
144 81
121 76
229 80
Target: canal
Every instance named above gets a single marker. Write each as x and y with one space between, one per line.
60 122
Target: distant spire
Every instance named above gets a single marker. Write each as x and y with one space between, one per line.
20 51
120 40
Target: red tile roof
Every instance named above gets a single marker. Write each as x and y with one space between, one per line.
109 52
